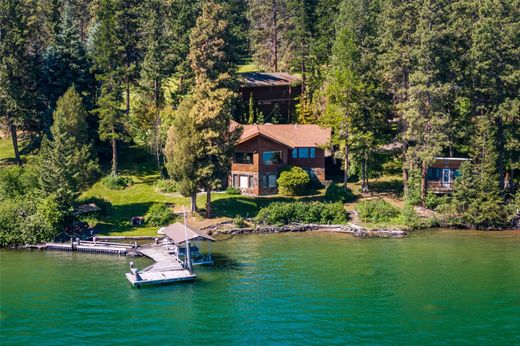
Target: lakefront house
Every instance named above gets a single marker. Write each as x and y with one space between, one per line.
264 150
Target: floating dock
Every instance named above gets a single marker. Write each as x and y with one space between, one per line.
166 269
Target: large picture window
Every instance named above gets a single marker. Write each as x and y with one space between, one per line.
242 181
271 157
241 157
269 180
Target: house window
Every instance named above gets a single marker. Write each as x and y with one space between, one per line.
304 153
269 180
242 181
271 157
241 157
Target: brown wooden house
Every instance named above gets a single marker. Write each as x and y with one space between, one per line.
263 150
442 173
270 91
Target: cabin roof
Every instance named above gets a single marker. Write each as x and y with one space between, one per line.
264 79
291 135
177 233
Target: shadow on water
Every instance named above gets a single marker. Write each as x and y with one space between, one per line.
223 262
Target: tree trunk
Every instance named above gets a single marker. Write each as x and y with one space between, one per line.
275 36
424 170
127 101
193 199
405 169
364 178
346 166
208 202
500 149
114 156
14 138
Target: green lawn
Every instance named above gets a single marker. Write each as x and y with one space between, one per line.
6 148
135 162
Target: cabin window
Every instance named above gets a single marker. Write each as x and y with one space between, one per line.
434 174
241 157
271 157
303 153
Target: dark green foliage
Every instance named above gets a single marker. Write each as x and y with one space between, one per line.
293 182
376 210
65 62
339 193
239 222
116 182
231 190
17 182
167 186
159 214
280 213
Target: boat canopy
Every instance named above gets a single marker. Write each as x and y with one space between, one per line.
177 233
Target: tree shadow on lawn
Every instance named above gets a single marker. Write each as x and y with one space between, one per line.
394 186
249 206
119 218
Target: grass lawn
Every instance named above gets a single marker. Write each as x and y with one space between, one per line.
6 148
136 162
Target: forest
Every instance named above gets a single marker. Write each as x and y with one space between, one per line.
400 82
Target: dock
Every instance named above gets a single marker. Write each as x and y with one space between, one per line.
120 249
166 269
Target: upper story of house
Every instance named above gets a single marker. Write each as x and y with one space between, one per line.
268 148
270 91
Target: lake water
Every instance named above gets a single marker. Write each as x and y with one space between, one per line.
448 287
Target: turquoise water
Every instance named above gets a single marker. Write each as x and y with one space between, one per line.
292 289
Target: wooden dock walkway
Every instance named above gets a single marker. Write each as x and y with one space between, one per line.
167 268
91 246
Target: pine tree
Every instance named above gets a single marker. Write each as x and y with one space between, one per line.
65 164
213 62
397 39
18 82
251 110
355 107
65 62
425 110
494 68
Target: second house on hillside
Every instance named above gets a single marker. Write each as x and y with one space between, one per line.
264 150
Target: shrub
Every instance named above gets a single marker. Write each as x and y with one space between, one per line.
411 219
377 210
116 182
158 215
293 182
233 190
167 186
280 213
102 203
338 193
239 221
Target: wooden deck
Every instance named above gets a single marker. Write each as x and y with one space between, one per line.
166 269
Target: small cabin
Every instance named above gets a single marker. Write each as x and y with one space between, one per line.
442 174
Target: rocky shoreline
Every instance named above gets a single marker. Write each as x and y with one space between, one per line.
355 230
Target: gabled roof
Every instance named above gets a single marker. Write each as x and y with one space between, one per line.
177 233
291 135
262 79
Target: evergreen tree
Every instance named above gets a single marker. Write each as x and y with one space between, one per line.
65 62
65 164
18 82
356 108
397 40
494 69
213 62
425 110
